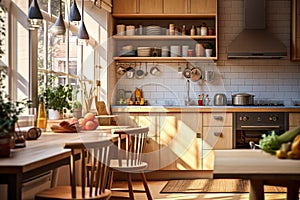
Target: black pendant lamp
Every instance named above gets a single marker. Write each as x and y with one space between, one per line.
83 36
35 17
74 13
59 28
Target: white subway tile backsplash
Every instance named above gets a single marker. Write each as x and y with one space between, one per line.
257 88
238 82
272 88
266 81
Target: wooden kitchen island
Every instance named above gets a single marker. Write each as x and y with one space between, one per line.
261 168
41 155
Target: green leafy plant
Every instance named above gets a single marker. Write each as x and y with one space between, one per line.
9 110
209 46
77 105
58 98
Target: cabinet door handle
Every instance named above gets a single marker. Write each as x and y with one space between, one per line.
198 135
220 118
218 134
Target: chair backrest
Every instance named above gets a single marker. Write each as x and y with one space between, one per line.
98 153
132 148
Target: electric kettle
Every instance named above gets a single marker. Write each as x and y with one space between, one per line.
220 100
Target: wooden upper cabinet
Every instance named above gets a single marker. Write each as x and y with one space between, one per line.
203 6
295 40
124 6
176 6
151 6
164 7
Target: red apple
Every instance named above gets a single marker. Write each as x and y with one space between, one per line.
89 116
82 122
90 125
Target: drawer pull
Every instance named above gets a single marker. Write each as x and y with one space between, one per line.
220 118
218 134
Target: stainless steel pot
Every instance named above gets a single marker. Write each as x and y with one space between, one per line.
242 99
220 100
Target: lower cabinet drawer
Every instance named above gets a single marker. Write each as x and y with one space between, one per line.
217 138
217 119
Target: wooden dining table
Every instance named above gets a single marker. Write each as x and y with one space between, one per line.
260 168
42 155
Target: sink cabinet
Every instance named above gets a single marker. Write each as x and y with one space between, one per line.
180 139
174 139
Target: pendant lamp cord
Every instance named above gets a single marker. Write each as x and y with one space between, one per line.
82 10
60 7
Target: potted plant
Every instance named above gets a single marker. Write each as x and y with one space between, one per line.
77 109
208 49
58 100
9 112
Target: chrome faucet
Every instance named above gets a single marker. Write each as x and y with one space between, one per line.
188 98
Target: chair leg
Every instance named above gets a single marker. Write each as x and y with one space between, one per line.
131 196
110 179
146 186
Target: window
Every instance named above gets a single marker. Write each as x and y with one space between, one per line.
57 56
36 58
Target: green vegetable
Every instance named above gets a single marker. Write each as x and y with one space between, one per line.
271 143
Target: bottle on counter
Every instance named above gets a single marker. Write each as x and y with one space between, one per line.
41 121
200 99
206 100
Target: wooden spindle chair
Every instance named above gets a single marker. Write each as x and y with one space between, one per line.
96 188
131 142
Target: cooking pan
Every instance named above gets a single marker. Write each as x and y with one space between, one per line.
140 73
196 74
242 99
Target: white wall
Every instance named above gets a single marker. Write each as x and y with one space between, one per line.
266 79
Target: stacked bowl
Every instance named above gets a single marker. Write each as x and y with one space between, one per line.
153 30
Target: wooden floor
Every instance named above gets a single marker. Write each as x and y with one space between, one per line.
156 186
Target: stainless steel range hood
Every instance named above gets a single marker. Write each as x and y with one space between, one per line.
255 41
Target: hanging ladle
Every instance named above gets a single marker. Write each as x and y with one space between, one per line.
146 73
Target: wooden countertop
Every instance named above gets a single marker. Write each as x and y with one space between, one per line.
261 168
253 163
200 109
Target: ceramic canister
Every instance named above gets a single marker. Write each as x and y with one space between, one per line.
175 51
184 50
